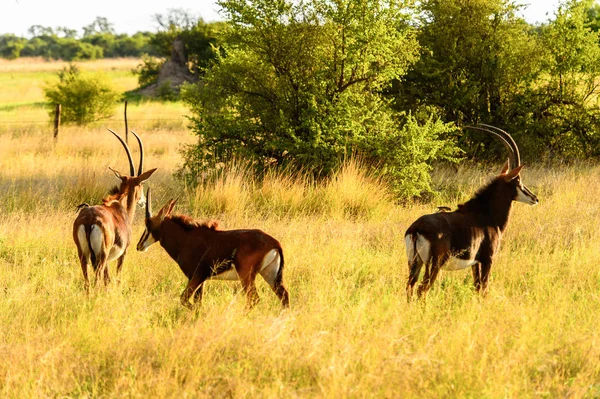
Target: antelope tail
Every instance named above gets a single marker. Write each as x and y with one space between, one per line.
411 247
84 205
88 232
279 276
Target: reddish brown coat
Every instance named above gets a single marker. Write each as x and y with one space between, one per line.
204 252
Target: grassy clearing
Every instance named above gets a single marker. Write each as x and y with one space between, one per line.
22 98
349 332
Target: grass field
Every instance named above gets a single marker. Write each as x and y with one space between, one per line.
349 332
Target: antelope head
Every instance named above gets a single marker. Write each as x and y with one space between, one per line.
510 179
152 234
132 184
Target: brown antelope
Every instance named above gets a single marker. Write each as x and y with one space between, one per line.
204 252
103 232
470 235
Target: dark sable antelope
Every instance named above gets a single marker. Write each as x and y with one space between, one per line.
471 235
203 252
103 232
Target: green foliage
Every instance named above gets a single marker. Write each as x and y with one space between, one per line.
482 63
99 40
11 46
476 56
568 95
165 92
84 98
54 47
199 38
147 72
99 26
301 85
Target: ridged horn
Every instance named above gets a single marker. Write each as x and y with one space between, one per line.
131 167
139 140
510 140
506 140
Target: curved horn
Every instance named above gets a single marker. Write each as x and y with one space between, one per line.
509 139
131 167
148 204
139 140
505 141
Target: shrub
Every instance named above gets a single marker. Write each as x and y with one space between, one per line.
84 98
302 87
147 72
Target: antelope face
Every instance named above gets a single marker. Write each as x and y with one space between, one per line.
147 239
524 194
519 192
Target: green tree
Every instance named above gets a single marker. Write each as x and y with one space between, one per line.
566 115
477 56
11 46
99 26
301 84
199 38
593 17
84 98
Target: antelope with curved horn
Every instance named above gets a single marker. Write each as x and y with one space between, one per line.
470 235
203 252
103 232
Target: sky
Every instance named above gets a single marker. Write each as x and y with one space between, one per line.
129 16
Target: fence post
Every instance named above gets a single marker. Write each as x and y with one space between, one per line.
56 120
126 129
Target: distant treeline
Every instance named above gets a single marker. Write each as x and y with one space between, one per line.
99 40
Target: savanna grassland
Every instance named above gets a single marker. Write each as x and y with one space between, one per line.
349 332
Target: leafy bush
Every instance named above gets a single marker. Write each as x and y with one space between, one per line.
84 98
147 72
301 87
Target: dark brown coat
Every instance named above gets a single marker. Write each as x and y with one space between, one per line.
469 236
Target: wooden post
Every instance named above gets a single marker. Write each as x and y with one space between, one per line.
126 129
56 120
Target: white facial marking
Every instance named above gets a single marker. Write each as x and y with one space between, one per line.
142 201
522 196
148 241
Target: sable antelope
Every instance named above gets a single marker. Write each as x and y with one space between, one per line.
103 232
470 235
204 252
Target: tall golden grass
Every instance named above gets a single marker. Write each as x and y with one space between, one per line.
349 332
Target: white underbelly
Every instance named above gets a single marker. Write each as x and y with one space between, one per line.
115 252
458 264
230 274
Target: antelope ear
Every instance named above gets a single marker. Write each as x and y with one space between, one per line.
172 205
164 211
119 176
506 167
513 173
146 175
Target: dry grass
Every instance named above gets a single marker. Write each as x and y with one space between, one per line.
349 332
